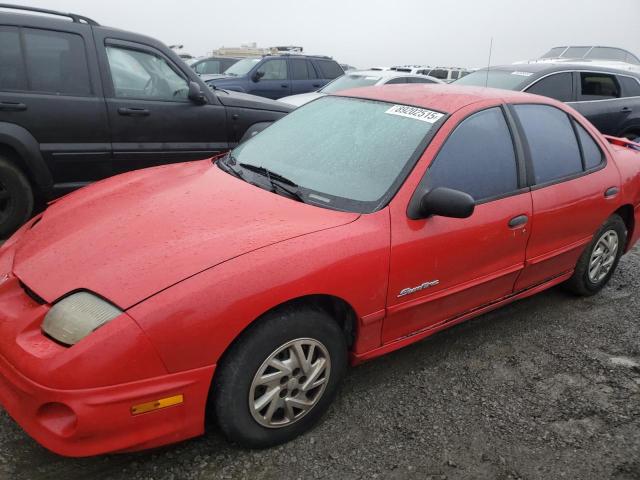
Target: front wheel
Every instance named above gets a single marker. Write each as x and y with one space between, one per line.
600 259
280 376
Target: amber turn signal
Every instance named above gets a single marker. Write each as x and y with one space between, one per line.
157 404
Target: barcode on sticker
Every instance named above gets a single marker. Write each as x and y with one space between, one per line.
415 113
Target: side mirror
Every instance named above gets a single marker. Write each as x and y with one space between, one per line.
195 93
444 202
257 75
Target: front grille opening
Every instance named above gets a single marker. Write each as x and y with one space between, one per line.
33 295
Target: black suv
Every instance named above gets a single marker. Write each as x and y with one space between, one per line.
80 102
277 76
609 98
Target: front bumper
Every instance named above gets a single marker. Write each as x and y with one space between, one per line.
78 423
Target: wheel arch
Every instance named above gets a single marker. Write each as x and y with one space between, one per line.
627 213
23 149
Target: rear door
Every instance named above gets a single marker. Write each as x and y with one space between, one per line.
303 76
274 82
152 120
574 190
599 98
50 85
442 268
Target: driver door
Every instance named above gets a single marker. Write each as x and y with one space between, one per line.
152 120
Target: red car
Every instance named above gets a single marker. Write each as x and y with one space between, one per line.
356 225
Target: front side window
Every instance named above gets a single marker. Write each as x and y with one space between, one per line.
552 142
350 81
274 70
209 67
478 158
343 153
144 75
56 62
558 86
598 86
12 76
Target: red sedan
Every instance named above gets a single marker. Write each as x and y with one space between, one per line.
356 225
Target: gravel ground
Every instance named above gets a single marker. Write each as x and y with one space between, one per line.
545 388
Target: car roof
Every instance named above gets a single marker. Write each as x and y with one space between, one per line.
550 67
446 98
383 73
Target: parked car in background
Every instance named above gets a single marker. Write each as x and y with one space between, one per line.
210 67
347 68
609 98
80 102
134 309
355 79
446 74
277 76
609 57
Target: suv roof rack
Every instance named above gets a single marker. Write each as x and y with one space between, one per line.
76 18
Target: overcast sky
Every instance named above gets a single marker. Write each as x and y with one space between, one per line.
376 32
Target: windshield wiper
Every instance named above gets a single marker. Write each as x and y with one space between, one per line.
276 181
227 164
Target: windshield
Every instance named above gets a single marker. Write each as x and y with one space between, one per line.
554 52
242 67
507 79
343 153
349 81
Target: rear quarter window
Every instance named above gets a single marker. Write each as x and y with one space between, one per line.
329 68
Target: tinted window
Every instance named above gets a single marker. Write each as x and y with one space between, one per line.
590 150
274 70
300 70
507 79
144 75
630 86
398 80
597 86
478 158
440 74
209 66
558 86
329 68
56 62
455 74
419 80
12 75
552 142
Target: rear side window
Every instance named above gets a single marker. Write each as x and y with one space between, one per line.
590 150
302 69
395 81
329 69
558 86
56 62
478 158
419 80
552 142
455 74
12 76
630 86
598 86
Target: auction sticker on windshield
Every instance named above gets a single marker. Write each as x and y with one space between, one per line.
415 113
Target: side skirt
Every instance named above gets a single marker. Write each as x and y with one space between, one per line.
427 332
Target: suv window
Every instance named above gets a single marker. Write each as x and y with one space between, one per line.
330 69
12 76
558 86
395 81
274 70
552 142
440 74
598 86
478 158
56 62
590 150
302 69
630 86
455 74
144 75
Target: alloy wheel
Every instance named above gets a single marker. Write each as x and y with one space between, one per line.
603 256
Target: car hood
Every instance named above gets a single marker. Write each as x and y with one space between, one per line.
301 99
129 237
229 98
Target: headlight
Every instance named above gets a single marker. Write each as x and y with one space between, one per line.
76 316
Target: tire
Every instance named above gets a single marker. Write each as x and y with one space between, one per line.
236 385
16 198
586 282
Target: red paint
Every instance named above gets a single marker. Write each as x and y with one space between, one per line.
194 256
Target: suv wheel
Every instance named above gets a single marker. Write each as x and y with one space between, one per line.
280 376
16 198
600 259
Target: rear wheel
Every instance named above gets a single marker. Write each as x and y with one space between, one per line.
16 198
280 376
600 259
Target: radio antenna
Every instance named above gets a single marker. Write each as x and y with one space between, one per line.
486 81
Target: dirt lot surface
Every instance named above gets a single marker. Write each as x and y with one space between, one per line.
547 388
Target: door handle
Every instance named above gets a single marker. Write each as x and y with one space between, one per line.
317 85
519 221
625 110
134 112
12 107
284 85
611 192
